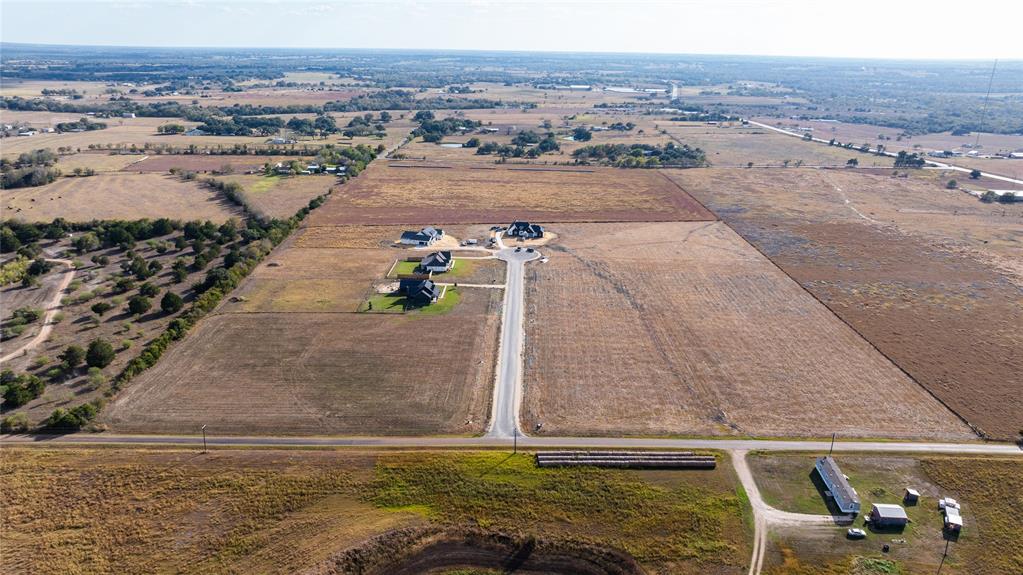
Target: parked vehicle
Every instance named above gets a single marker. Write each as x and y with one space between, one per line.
856 533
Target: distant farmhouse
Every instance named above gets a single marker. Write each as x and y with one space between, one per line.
424 237
846 498
524 230
418 292
437 262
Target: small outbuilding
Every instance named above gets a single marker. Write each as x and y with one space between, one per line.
888 515
953 519
911 497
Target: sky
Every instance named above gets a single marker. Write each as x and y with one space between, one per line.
914 29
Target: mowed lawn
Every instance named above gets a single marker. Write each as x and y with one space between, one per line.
684 328
323 373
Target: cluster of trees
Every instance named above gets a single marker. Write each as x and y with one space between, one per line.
365 125
354 158
434 130
20 319
170 129
913 160
29 169
322 124
19 389
406 100
548 144
642 155
82 125
620 127
242 125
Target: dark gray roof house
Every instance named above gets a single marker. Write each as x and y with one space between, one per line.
846 498
418 292
424 237
437 262
525 230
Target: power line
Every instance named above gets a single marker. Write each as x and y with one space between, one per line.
983 109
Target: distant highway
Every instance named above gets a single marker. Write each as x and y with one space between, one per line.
931 163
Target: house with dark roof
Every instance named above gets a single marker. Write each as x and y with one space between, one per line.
424 237
437 262
524 230
846 498
418 292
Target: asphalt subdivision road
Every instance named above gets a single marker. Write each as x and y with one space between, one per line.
504 420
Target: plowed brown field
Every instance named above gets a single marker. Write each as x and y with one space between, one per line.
438 195
683 328
933 290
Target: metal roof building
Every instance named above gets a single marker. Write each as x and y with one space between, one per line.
884 514
846 498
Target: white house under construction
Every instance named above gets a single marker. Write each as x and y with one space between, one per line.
846 498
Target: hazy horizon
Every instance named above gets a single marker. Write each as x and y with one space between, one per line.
784 28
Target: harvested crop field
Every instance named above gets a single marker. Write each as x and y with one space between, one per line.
437 195
281 196
148 510
688 330
934 304
323 373
118 196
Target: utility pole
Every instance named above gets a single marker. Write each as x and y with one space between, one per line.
204 438
832 443
515 441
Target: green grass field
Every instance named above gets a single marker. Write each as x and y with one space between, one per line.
150 510
390 303
462 268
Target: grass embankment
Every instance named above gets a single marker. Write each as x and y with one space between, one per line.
988 488
242 511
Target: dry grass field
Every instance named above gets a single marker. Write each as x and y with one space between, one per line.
117 195
922 287
322 373
868 134
281 196
732 145
419 195
357 236
148 510
100 162
120 131
683 328
207 163
312 280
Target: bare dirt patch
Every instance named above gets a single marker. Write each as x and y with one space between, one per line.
418 195
683 328
925 299
118 196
